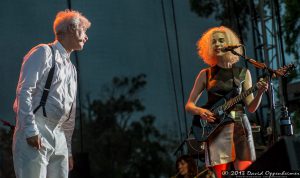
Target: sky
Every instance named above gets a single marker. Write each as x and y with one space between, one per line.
126 38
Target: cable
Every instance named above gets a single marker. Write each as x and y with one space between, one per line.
171 67
280 35
69 3
179 62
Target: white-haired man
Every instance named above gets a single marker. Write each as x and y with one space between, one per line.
45 102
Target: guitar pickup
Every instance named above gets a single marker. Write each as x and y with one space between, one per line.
220 112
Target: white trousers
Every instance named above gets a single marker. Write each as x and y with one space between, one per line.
51 161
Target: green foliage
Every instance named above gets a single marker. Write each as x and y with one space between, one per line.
234 14
122 143
291 20
6 159
296 122
204 8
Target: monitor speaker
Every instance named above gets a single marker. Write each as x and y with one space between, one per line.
283 155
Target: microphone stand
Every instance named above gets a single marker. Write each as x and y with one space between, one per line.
271 73
180 147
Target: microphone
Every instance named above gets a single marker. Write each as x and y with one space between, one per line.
230 47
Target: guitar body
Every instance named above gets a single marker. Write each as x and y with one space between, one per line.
204 130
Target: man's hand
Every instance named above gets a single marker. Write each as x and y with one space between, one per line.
71 163
35 141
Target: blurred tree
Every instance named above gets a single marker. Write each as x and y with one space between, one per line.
296 122
291 26
120 144
236 15
6 159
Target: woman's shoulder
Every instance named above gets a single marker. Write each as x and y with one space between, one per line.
204 72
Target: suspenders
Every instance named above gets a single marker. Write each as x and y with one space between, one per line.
47 85
47 88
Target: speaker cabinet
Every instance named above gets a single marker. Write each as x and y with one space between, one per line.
284 155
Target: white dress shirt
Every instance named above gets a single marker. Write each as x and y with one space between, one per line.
62 94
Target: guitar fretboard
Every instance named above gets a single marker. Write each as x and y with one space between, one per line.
238 98
279 72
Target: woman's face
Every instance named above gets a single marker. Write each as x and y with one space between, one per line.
218 42
183 167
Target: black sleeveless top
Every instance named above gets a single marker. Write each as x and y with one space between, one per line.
221 81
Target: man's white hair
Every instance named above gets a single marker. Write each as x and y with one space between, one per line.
69 17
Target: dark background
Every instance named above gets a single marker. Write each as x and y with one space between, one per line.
135 73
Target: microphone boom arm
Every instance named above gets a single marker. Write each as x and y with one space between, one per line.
259 65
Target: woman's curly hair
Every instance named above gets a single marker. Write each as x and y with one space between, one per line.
204 45
192 167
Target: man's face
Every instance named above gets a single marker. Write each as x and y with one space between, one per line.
79 38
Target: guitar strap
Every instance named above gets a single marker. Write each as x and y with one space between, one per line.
238 75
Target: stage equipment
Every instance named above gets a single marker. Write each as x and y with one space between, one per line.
283 155
271 73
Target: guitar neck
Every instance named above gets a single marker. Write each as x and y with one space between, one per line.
279 72
238 98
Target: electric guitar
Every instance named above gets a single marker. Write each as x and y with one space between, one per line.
203 129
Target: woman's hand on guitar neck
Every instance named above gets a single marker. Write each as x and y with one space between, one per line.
206 114
262 86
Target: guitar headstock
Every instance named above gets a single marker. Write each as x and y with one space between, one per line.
284 71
